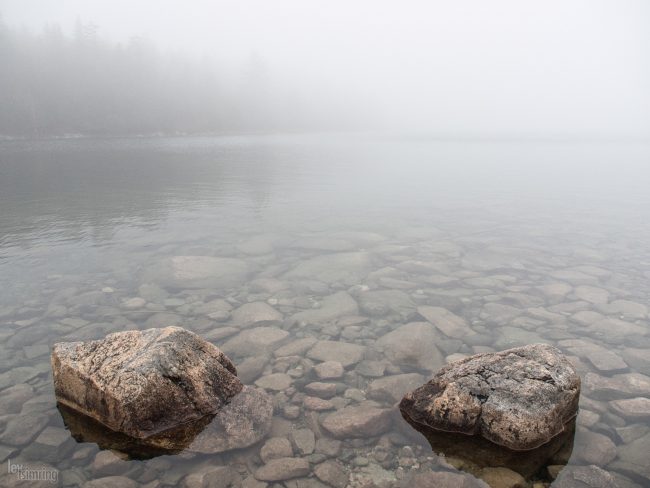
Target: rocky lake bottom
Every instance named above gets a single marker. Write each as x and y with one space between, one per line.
335 299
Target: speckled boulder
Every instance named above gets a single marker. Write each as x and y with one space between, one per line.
519 398
142 383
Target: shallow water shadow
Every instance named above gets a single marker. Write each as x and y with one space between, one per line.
242 422
479 453
86 429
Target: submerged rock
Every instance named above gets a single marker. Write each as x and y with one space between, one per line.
602 358
180 272
327 244
345 267
632 408
244 421
329 370
519 398
585 477
592 294
332 473
365 420
619 385
275 381
281 469
442 479
378 303
209 476
390 389
633 459
594 448
412 345
22 429
345 353
447 322
256 313
142 383
257 340
276 447
502 478
331 308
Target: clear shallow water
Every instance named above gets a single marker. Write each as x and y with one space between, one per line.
526 241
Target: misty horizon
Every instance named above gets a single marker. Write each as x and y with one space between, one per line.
571 70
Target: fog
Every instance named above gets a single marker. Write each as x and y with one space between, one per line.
578 68
347 199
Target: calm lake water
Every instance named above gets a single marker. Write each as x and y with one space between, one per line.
344 239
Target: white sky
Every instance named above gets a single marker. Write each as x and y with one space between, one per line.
453 66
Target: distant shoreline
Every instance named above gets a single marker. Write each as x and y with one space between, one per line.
385 135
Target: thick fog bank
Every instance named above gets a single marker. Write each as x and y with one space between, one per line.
469 68
58 84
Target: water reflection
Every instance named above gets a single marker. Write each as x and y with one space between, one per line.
472 452
86 429
56 191
240 423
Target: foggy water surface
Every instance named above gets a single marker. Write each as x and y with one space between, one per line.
527 241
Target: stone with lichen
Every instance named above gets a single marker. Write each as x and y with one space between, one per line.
142 383
519 398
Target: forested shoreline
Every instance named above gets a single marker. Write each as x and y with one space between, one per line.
58 84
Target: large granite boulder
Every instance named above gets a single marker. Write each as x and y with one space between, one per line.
519 398
142 383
